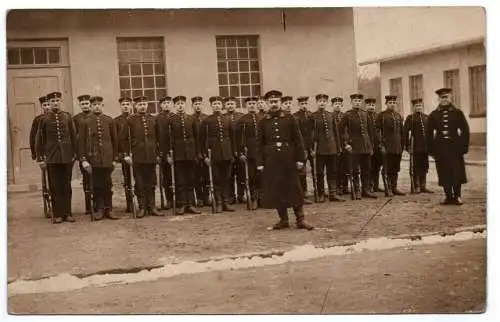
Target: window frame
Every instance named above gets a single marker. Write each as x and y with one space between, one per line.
455 86
474 112
62 45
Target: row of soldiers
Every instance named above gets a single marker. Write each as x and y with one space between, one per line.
352 143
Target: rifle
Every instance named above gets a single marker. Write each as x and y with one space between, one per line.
247 185
132 192
160 179
90 182
172 176
211 193
313 173
412 171
47 200
387 190
350 175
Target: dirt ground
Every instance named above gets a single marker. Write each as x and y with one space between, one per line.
37 248
439 278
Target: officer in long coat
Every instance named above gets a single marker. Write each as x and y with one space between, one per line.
389 127
120 123
78 119
358 132
448 140
415 143
183 142
328 145
98 149
248 140
201 169
162 123
217 135
56 148
140 149
342 165
45 105
237 171
303 117
280 156
376 158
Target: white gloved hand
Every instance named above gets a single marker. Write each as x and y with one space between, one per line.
85 164
260 167
299 165
207 161
42 165
128 160
170 160
348 148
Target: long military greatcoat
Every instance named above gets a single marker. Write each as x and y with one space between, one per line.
280 147
448 137
56 141
98 141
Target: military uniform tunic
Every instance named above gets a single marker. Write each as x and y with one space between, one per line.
376 158
249 138
414 128
237 169
33 133
303 117
389 127
120 123
201 169
342 165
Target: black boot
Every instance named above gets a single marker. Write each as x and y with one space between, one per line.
300 217
227 207
129 203
457 194
366 189
109 214
283 222
448 192
192 210
357 187
333 192
416 183
394 184
88 203
142 202
152 210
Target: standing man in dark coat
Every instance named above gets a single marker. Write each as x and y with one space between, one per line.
56 148
237 171
280 156
162 123
326 138
248 140
416 144
448 140
376 158
45 105
79 119
201 170
140 149
342 166
389 127
98 149
304 118
120 123
358 132
183 142
217 134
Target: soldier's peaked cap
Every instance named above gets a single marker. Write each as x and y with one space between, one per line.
444 90
165 99
84 98
390 98
54 95
215 99
179 98
357 95
43 99
95 99
273 94
286 98
302 98
337 99
229 99
251 99
416 100
321 96
140 99
370 101
124 99
196 99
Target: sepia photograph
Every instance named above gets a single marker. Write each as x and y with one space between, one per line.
280 160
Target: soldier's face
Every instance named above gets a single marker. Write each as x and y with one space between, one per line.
141 107
391 104
274 103
125 106
180 105
303 105
419 107
230 106
97 107
337 106
286 106
46 106
322 103
445 99
216 106
55 103
165 106
370 107
251 106
85 106
261 104
197 106
357 102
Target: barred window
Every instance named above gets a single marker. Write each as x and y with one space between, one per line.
477 87
451 79
238 66
416 86
396 88
34 56
142 69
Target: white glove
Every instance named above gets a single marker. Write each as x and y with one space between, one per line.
243 157
260 167
299 165
207 161
128 160
86 165
348 148
169 160
42 164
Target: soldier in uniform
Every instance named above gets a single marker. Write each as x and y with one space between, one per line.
56 147
448 137
389 127
328 145
358 132
78 119
217 134
237 171
249 134
120 123
201 170
415 143
183 132
45 104
303 117
342 166
280 156
98 149
139 147
162 122
286 104
376 158
262 106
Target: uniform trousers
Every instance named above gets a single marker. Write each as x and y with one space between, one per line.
60 188
145 180
420 164
184 177
167 180
238 174
393 163
303 172
201 180
86 186
342 171
376 164
328 162
253 179
103 194
221 171
361 166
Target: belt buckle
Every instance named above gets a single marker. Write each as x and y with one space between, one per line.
445 132
278 144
